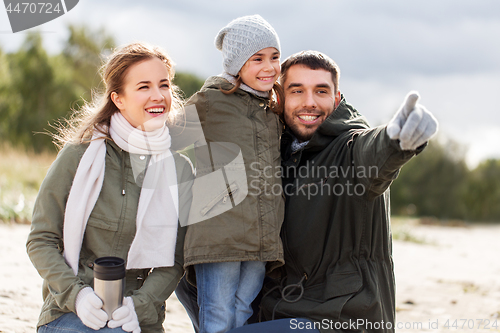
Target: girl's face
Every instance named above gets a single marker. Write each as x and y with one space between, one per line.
146 97
261 71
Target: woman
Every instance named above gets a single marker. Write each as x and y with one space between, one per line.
115 189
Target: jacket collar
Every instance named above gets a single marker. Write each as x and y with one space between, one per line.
232 79
217 82
343 119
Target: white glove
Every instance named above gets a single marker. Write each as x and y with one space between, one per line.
413 125
125 317
89 309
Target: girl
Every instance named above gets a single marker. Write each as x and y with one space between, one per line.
228 252
112 191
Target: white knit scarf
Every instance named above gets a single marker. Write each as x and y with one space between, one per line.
158 208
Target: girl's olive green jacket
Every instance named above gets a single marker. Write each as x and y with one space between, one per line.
251 229
110 230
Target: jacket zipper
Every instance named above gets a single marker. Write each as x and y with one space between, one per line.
123 173
220 198
229 193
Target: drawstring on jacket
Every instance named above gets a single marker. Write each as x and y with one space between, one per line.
286 291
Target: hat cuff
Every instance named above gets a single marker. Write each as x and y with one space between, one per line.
249 51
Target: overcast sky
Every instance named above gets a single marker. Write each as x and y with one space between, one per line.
448 50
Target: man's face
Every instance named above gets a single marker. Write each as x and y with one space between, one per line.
309 99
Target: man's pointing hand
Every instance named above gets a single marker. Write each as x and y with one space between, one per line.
413 125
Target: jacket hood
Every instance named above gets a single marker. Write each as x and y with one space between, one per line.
345 118
216 82
220 82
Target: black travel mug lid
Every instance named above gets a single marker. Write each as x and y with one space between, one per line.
109 268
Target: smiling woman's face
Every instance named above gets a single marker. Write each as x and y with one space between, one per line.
146 97
310 98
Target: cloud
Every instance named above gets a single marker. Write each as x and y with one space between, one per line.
446 49
465 105
367 38
396 38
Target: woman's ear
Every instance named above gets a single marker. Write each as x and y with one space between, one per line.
117 100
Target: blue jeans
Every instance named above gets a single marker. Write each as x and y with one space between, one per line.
225 293
70 323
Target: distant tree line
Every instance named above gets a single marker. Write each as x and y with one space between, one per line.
38 89
438 183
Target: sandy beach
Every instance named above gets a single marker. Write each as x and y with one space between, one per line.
448 280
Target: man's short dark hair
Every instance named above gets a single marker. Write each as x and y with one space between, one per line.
313 60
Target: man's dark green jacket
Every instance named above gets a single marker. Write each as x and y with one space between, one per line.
336 233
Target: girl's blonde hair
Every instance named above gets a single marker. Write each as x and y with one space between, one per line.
96 115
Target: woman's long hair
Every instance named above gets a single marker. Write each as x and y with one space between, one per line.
96 115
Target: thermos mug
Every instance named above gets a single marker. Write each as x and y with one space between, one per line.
109 282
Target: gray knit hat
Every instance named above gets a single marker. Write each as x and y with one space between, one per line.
242 38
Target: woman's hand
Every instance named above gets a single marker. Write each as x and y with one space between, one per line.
125 317
89 309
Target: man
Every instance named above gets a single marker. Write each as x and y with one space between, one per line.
338 271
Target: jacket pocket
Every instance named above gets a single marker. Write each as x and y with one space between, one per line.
325 300
344 283
328 300
222 200
102 222
336 285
